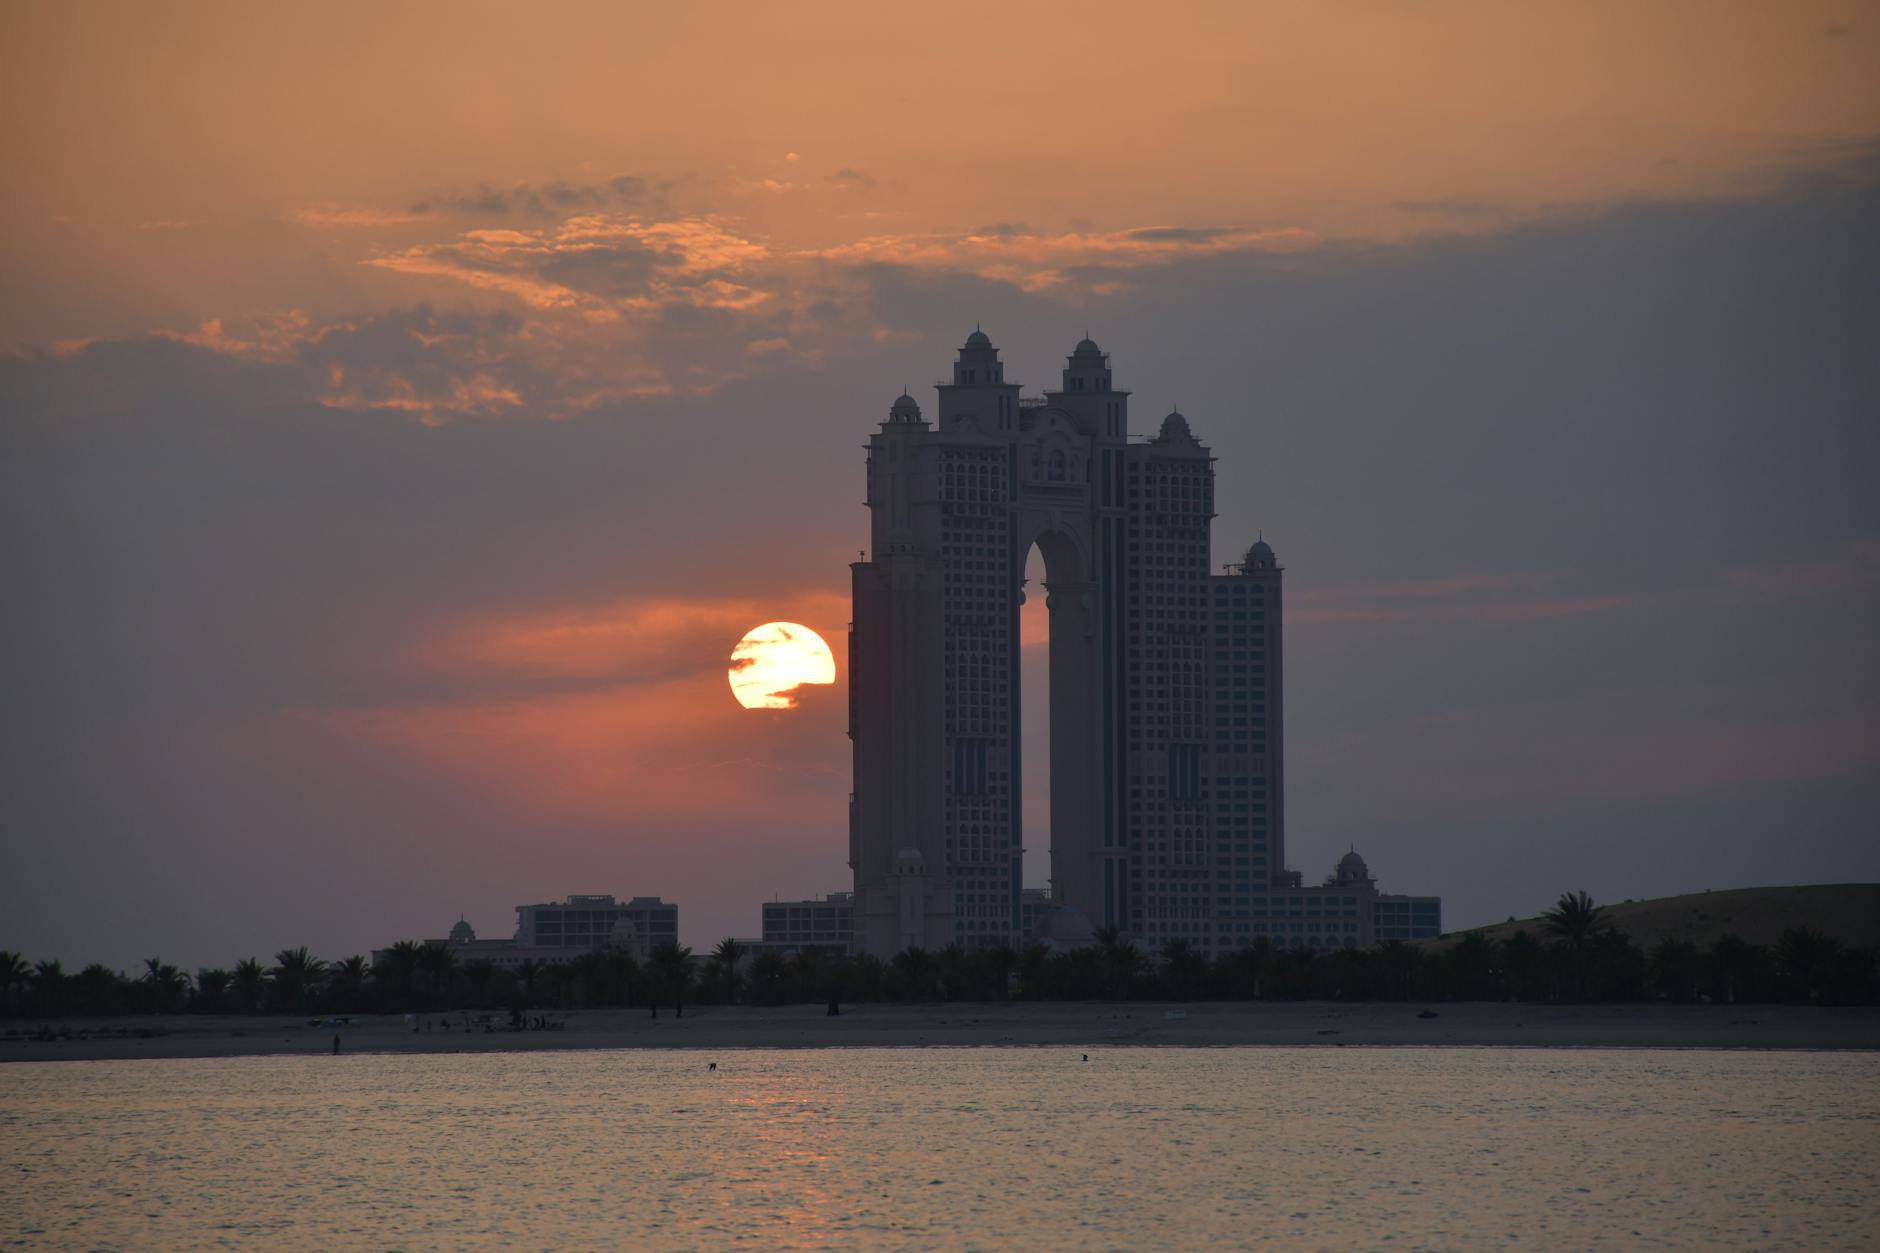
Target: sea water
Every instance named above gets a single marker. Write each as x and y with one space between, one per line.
987 1148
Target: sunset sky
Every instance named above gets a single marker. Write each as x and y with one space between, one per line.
404 410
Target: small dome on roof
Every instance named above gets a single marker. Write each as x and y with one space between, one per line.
904 409
1086 347
978 339
1260 555
462 933
1175 426
1351 870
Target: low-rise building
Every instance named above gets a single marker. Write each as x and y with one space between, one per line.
557 931
1347 909
826 922
580 924
1408 917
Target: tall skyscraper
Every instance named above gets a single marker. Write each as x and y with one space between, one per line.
1167 797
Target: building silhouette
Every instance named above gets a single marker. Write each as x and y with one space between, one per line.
555 931
1167 776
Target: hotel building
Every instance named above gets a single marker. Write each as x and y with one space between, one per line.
1167 770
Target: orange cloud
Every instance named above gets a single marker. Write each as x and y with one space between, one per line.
1037 262
351 215
610 712
272 338
600 265
624 641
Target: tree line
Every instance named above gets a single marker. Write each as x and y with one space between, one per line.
1576 957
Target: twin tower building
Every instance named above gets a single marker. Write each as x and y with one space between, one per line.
1167 762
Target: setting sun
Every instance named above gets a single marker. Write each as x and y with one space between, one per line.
775 659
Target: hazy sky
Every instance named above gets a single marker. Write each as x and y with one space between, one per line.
404 412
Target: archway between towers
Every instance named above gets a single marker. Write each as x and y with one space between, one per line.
1074 692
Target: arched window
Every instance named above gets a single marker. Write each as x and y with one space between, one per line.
1057 465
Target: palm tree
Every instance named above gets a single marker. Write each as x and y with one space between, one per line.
1347 971
1183 967
952 963
14 972
1400 962
913 970
809 969
297 974
1574 918
1731 958
480 971
1674 968
622 972
1853 977
395 970
1805 957
1251 965
1033 963
96 986
437 961
588 973
1000 959
250 982
211 987
167 984
867 975
837 972
1294 973
526 970
49 988
348 978
1518 953
1471 960
1121 959
726 957
768 971
673 964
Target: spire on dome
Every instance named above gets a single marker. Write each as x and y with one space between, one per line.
904 409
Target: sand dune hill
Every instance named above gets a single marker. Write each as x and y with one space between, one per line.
1848 912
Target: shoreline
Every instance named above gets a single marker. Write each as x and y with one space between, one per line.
1210 1024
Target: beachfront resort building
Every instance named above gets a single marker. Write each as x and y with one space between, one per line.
791 925
1167 762
829 921
560 930
1347 909
580 924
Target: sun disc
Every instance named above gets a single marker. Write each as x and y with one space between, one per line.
773 660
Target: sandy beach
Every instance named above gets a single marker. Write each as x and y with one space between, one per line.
992 1024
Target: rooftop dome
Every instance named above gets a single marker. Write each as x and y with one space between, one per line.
904 409
1086 347
1175 426
978 339
462 933
1351 870
1260 555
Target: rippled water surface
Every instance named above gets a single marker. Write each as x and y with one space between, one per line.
948 1148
